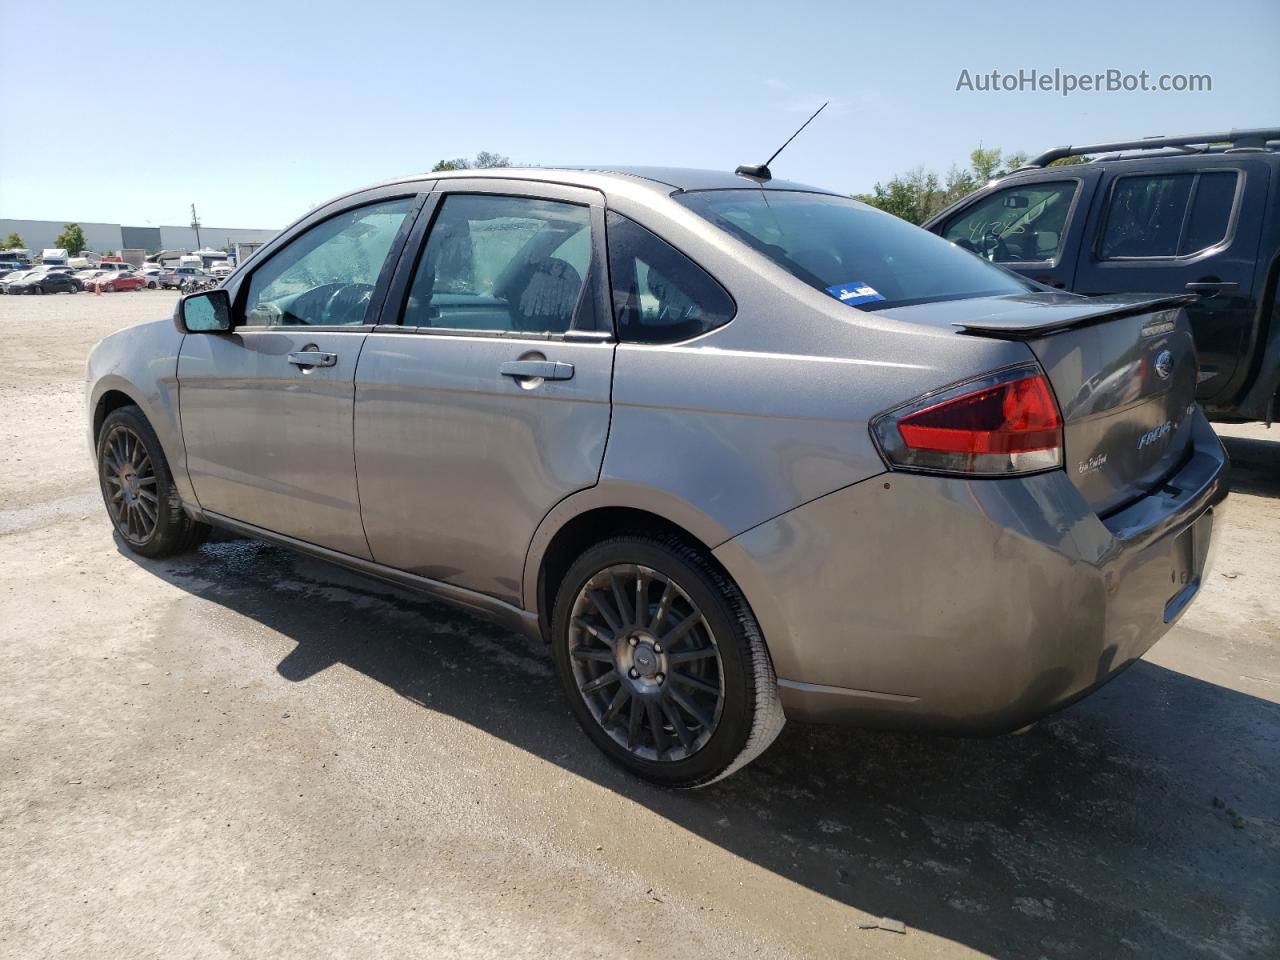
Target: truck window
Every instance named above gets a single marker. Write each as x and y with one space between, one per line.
1018 224
1147 216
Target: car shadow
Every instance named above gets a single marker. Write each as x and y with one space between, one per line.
1255 465
1143 821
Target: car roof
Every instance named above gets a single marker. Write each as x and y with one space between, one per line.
695 178
665 180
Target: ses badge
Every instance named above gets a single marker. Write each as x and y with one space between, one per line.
854 293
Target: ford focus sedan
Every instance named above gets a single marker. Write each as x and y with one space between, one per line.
739 452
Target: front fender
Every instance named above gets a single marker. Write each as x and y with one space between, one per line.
141 363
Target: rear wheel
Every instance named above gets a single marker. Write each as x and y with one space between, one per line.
663 662
137 488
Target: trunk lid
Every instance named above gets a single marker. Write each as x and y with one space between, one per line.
1124 371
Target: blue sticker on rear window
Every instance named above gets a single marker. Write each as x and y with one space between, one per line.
854 293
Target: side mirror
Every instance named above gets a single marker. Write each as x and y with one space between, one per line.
205 312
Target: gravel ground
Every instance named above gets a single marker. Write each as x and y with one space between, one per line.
245 753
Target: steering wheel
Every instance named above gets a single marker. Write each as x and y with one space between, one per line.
994 248
332 304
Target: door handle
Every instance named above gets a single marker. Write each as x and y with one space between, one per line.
537 370
313 358
1211 287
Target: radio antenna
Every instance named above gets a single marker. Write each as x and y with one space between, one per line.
759 172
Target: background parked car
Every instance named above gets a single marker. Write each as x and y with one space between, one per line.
37 281
151 274
89 274
1162 215
174 279
114 281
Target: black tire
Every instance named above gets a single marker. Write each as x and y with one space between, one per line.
748 712
169 530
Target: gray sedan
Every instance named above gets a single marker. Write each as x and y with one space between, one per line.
738 452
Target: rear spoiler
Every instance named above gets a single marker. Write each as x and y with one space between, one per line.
1048 319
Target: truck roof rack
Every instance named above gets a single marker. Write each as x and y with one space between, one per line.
1260 138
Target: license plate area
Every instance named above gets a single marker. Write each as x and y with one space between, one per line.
1186 563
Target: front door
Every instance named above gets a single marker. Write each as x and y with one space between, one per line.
266 409
488 402
1193 230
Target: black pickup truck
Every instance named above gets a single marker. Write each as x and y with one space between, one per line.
1194 214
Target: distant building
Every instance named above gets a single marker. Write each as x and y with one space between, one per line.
101 237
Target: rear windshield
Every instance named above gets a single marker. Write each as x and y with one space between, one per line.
859 255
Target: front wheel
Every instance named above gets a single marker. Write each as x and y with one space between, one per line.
663 662
137 487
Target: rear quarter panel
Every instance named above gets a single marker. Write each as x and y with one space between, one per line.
726 431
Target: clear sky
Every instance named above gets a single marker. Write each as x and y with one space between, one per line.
257 111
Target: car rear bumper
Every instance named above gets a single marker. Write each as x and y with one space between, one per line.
972 606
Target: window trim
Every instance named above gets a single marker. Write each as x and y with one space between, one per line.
1024 184
613 317
416 247
409 191
1227 240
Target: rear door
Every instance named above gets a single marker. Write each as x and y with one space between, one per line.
487 402
1031 226
1155 228
267 408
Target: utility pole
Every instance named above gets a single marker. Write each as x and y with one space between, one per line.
195 225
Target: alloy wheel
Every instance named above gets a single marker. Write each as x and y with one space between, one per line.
129 479
646 662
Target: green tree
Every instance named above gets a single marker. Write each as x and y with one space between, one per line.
71 239
920 194
984 163
13 240
483 160
486 160
914 196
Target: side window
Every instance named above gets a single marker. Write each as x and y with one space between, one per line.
503 264
1211 207
659 294
1173 215
1024 223
1144 218
326 276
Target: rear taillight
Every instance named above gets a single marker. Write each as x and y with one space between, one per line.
998 425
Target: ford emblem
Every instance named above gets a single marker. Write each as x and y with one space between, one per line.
1164 364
